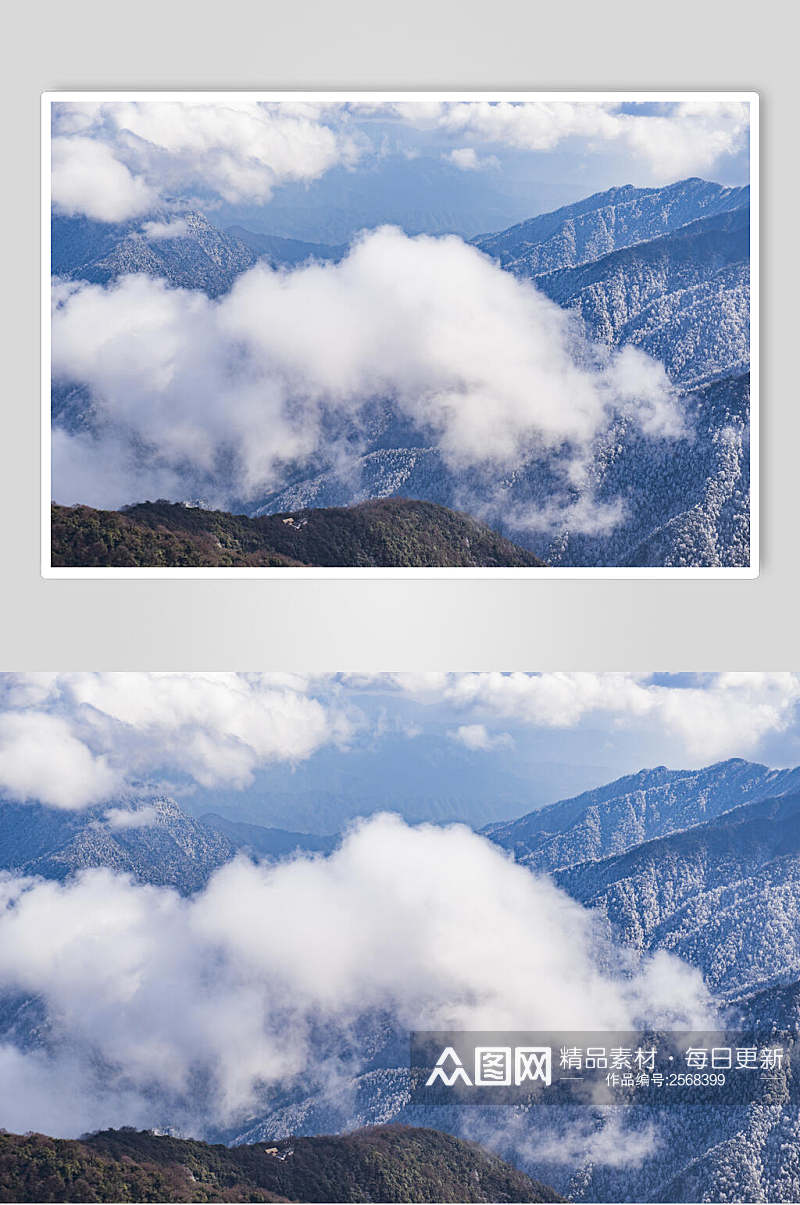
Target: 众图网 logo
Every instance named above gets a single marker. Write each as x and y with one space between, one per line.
494 1066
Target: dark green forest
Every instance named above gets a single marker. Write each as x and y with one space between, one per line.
389 532
384 1163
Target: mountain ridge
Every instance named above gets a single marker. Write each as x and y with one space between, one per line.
383 1163
198 255
385 532
606 221
622 814
149 837
387 1163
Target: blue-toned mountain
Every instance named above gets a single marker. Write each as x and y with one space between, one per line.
605 222
637 808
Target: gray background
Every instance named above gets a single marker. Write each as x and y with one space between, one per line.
390 624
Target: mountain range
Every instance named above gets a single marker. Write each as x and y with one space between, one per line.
701 863
632 810
188 251
705 864
605 222
662 269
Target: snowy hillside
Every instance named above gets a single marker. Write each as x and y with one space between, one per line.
623 814
605 222
724 896
683 298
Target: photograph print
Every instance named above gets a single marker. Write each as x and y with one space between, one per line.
240 914
291 334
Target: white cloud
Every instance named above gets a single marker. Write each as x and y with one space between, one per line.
722 715
87 179
75 739
477 737
671 141
127 818
87 735
118 159
466 158
174 228
224 394
602 1138
147 153
41 760
195 1009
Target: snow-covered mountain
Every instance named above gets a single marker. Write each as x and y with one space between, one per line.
606 222
684 502
683 298
189 252
150 838
724 895
186 249
705 863
617 817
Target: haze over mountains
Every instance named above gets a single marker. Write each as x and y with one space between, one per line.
663 270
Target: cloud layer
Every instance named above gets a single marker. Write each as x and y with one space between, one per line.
672 139
220 397
196 1010
78 739
74 740
115 160
719 715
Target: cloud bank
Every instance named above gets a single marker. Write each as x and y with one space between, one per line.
73 740
196 1010
42 760
671 140
78 739
719 715
115 160
88 180
220 398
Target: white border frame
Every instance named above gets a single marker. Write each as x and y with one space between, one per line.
546 574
